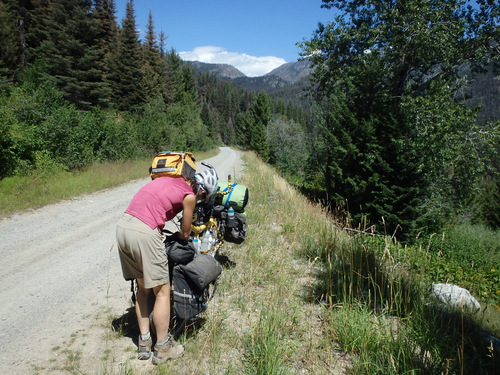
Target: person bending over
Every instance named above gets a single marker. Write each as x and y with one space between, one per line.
143 256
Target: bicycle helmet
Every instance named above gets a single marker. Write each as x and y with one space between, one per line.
207 180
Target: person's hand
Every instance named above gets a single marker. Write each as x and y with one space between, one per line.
175 237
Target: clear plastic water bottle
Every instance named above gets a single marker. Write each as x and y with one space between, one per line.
196 244
230 217
206 241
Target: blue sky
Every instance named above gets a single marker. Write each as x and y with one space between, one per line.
255 36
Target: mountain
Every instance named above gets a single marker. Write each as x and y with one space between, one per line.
281 77
292 72
224 71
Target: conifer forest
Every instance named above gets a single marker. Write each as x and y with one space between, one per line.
382 136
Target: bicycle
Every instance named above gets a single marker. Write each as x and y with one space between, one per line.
190 293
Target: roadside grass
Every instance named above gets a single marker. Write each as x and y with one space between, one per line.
393 324
50 184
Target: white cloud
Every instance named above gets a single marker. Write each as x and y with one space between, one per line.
251 66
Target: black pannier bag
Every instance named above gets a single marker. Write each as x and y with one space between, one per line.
191 285
189 301
179 251
235 230
203 270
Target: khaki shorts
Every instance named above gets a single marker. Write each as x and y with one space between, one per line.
142 252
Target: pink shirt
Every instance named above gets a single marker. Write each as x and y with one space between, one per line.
159 201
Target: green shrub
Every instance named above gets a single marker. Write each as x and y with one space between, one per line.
474 246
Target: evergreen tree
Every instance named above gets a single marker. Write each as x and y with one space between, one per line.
260 114
126 75
174 75
64 42
488 205
375 65
107 42
242 129
208 121
155 67
9 49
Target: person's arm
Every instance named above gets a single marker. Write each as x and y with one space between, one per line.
188 205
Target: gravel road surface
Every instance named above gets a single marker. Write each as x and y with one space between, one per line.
60 274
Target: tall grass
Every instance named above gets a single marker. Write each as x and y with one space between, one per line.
383 314
40 188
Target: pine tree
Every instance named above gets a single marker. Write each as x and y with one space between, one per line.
155 67
107 42
207 119
127 76
260 114
384 148
64 41
9 48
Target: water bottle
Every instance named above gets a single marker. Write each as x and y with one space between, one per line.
196 244
230 217
206 241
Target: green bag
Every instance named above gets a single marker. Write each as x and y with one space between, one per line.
237 195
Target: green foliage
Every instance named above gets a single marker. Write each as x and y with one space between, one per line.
188 131
487 205
9 49
382 289
69 50
260 115
126 76
288 147
393 145
452 151
465 255
91 90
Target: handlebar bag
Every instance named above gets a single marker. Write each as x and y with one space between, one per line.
173 164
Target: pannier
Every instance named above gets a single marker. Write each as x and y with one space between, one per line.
179 251
234 227
189 301
173 164
191 285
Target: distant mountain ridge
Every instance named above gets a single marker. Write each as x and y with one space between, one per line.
284 75
290 81
219 70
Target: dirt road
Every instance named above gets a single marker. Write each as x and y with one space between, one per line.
60 275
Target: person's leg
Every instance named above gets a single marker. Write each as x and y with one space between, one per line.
145 342
161 311
142 307
165 347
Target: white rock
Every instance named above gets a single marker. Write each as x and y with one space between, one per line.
455 297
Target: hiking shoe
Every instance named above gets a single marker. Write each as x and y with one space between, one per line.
167 351
144 351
